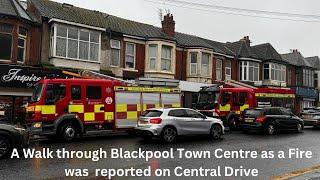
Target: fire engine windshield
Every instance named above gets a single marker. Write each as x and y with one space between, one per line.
211 97
36 94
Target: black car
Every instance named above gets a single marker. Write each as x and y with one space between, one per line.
12 137
271 120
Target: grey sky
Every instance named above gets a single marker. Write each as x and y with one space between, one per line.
282 34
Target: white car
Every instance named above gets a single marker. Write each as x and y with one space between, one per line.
168 123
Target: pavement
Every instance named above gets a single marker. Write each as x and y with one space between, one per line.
268 168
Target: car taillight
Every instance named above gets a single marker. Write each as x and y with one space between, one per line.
155 120
261 119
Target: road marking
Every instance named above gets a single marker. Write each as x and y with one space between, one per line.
296 173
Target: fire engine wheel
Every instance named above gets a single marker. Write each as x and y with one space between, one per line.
216 132
233 123
68 132
169 134
5 147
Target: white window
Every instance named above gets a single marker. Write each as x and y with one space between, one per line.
75 43
22 40
6 41
153 51
166 58
130 55
274 71
115 53
308 78
228 69
205 66
249 71
193 63
218 69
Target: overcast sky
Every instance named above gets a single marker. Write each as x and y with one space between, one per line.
282 34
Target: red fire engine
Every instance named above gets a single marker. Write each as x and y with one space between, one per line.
70 107
235 97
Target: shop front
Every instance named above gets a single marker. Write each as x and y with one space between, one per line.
16 87
305 97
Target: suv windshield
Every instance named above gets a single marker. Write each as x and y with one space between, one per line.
152 113
36 94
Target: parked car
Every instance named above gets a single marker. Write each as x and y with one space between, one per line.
271 120
12 137
311 116
168 123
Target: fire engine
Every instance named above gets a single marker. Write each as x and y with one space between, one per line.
234 97
67 108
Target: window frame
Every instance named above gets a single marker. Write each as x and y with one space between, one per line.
166 59
206 74
55 36
228 76
194 64
244 71
24 38
130 55
219 69
11 34
117 49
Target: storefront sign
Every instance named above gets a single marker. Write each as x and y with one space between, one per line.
22 76
306 92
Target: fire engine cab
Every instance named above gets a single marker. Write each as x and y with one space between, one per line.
68 108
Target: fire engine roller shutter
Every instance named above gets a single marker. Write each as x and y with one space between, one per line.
171 100
150 100
127 109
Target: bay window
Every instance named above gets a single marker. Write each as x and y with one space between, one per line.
115 53
166 56
205 66
193 63
130 55
218 69
22 42
273 71
228 70
76 43
153 49
5 41
308 77
249 71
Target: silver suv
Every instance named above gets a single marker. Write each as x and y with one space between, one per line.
168 123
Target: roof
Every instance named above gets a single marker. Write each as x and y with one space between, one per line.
314 61
241 49
13 8
267 52
296 58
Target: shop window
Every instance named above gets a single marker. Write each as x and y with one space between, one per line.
153 49
130 55
76 92
115 53
166 56
93 92
193 63
5 41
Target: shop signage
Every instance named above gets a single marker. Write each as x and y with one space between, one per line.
306 92
23 76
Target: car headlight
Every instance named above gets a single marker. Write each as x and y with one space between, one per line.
37 125
20 129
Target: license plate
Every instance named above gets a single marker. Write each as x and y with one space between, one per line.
248 120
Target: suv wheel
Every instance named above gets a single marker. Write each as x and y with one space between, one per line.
271 129
216 132
5 146
68 132
169 134
299 128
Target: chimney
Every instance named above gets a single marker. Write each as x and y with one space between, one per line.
246 39
295 50
168 25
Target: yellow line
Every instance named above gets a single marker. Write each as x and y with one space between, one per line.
296 173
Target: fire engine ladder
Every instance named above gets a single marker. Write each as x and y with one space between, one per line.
238 84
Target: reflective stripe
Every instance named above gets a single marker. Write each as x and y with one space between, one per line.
132 115
275 95
48 109
76 108
244 107
121 108
144 107
37 108
89 116
98 107
30 108
225 107
108 116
